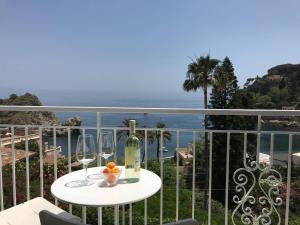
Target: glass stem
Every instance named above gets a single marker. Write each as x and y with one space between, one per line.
85 172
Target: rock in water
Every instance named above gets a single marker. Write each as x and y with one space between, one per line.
73 122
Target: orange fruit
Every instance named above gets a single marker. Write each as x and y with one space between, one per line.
106 170
115 170
111 179
111 165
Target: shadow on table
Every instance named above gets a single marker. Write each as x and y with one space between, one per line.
103 183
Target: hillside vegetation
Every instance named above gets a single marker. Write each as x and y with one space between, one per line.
280 87
25 117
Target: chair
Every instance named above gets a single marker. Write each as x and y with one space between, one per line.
48 218
39 211
28 213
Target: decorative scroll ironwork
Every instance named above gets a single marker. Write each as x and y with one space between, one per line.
257 197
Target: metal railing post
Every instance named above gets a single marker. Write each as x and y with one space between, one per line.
69 162
161 176
27 165
1 178
288 187
227 177
177 175
41 163
194 174
210 176
13 156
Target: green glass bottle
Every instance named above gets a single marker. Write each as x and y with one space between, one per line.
132 155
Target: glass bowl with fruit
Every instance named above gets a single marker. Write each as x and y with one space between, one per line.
111 173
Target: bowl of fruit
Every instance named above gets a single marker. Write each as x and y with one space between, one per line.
111 173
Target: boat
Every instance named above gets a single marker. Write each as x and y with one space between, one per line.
164 149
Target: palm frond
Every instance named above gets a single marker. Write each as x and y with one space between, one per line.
189 85
199 73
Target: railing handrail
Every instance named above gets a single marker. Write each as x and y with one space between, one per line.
245 112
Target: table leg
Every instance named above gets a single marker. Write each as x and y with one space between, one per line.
99 216
123 215
116 215
130 214
84 214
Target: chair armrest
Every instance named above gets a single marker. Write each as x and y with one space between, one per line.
184 222
48 218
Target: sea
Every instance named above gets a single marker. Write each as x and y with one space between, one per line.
147 120
116 119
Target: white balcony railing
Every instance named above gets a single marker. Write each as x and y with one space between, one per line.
99 111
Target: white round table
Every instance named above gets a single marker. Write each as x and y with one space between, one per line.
100 195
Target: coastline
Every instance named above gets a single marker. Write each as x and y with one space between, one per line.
282 123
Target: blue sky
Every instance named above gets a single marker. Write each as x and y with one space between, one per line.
138 46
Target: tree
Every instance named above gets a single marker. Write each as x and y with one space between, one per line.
293 90
199 76
226 95
249 82
155 136
264 102
279 97
33 146
223 90
282 84
13 96
224 84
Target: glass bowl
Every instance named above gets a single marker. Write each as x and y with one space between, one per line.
111 178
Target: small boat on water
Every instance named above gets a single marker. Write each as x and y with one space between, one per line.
164 149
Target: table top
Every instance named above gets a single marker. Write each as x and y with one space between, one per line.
99 194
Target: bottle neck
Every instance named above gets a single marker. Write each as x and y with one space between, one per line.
132 130
132 127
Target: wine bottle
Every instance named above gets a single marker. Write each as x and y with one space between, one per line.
132 155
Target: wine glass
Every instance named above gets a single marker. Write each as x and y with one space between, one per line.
85 154
106 149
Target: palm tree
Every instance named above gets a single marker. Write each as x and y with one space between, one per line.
155 136
199 76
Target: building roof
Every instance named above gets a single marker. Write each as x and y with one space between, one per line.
7 155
